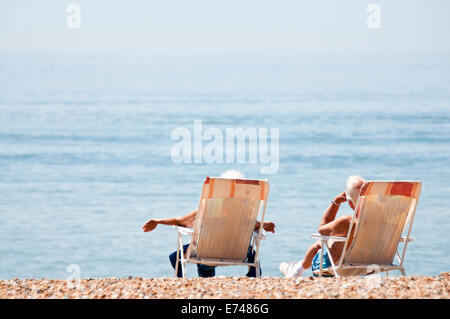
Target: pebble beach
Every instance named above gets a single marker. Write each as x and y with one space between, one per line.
373 287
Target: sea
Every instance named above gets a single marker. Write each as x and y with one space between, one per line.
87 151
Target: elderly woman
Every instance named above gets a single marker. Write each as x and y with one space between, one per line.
329 226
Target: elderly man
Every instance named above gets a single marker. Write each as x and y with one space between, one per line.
329 226
188 221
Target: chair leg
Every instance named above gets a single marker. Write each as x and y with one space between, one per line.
333 266
403 271
321 258
181 252
183 269
258 269
178 257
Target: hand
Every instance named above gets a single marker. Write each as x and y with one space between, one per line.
340 198
150 225
269 226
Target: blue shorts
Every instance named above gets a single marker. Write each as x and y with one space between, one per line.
316 261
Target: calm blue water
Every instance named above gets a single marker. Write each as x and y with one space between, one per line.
85 146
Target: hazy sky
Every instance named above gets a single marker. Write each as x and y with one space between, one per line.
286 26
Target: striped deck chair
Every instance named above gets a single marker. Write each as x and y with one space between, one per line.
383 219
224 225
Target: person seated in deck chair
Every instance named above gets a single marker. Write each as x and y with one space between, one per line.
329 226
188 221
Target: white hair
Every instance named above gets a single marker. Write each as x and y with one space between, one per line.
232 174
354 184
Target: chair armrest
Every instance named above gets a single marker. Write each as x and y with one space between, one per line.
335 238
183 230
403 239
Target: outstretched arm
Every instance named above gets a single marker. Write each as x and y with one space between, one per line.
183 221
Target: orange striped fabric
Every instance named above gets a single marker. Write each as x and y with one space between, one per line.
214 187
398 188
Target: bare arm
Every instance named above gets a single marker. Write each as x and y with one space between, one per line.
267 226
183 221
330 214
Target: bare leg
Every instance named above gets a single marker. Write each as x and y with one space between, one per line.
337 227
295 269
310 253
329 226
